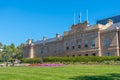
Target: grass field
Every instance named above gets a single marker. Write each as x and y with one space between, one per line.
71 72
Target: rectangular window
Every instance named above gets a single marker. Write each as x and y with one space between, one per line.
94 54
67 48
93 46
86 54
107 42
73 47
79 55
86 43
93 43
79 46
107 54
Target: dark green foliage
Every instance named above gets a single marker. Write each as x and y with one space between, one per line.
82 59
33 61
11 52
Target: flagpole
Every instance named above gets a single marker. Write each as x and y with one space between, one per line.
87 15
80 15
74 19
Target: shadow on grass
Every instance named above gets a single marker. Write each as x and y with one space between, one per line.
112 76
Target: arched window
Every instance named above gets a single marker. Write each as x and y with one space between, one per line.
107 42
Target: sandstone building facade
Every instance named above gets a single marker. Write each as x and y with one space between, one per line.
81 40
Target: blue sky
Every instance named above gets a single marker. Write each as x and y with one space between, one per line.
24 19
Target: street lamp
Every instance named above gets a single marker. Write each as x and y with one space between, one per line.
42 55
42 49
5 58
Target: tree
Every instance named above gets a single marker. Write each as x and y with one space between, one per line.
1 46
19 49
9 52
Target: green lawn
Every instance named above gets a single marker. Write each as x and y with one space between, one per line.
76 72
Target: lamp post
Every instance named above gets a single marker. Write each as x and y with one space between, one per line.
5 58
42 49
42 56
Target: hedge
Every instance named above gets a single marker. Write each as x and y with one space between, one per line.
33 61
73 59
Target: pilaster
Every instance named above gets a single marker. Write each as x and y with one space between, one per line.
99 43
117 42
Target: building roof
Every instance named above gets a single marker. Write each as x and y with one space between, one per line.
116 19
97 26
48 40
114 26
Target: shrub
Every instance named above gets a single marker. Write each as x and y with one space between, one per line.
33 61
82 59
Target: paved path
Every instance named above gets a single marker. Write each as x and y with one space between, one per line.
3 65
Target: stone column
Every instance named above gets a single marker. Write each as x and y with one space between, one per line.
117 42
99 43
31 50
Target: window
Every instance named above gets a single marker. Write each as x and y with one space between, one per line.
79 55
107 54
67 55
79 46
73 55
42 50
67 48
107 42
55 51
86 54
66 44
73 47
93 44
82 35
94 54
86 43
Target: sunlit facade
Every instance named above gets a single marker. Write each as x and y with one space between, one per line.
82 40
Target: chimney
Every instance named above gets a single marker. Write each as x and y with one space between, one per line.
30 41
110 21
44 38
57 36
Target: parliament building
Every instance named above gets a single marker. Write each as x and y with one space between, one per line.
82 40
